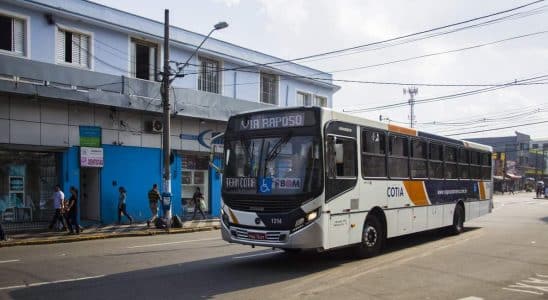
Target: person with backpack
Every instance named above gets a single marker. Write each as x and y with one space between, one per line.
122 206
153 199
198 199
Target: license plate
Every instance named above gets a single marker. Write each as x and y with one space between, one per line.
256 236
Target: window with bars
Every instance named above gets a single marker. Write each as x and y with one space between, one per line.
144 59
209 78
303 99
73 48
13 35
269 88
307 99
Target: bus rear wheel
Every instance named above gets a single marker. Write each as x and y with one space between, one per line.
372 238
458 220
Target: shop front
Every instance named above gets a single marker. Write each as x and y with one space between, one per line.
194 175
27 179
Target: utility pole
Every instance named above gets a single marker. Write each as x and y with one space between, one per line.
412 91
166 147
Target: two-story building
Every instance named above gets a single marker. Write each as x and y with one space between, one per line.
80 105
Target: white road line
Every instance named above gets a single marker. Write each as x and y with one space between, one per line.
13 287
524 291
471 298
172 243
260 254
8 261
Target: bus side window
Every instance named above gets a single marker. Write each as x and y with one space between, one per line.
341 157
330 157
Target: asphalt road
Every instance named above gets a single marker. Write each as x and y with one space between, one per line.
503 255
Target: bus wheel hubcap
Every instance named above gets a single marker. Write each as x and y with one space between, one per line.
370 237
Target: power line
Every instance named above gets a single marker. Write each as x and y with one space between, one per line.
514 16
439 53
499 128
384 41
452 96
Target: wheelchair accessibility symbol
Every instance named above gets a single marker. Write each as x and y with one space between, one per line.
265 185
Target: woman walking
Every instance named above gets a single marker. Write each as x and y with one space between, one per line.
72 212
122 206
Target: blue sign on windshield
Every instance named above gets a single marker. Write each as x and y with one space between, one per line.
265 185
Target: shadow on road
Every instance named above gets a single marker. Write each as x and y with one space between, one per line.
207 278
545 219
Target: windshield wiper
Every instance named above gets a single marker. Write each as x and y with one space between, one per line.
277 147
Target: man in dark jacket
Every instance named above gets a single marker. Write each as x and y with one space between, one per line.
153 199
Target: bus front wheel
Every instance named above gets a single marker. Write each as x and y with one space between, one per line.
372 238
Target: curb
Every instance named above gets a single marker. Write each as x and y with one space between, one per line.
78 238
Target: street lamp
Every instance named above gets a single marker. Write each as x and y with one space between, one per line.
166 82
180 67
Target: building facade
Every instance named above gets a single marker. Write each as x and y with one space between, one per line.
80 105
514 161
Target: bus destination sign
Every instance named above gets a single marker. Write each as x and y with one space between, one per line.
269 121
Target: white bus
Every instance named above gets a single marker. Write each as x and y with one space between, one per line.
313 178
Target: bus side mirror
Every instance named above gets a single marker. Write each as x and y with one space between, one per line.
212 164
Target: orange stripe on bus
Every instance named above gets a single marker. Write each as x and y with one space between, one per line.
416 192
233 216
403 130
482 191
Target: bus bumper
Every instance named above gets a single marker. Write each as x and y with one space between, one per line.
309 237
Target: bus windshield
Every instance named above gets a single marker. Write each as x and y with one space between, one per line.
278 165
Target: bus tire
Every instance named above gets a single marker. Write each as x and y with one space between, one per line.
458 220
372 238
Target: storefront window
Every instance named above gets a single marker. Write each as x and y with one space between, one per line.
194 175
26 185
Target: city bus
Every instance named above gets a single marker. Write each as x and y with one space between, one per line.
313 178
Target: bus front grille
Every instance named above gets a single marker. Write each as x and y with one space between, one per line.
266 206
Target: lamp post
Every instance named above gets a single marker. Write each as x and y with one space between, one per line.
167 79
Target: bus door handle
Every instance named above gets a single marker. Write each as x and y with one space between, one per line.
407 204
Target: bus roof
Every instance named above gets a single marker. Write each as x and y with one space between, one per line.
345 117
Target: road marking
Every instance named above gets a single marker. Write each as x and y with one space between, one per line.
259 254
532 285
471 298
172 243
8 261
523 291
13 287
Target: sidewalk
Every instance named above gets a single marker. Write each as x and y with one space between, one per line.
105 232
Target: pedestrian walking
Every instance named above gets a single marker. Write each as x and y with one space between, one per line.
153 199
198 199
58 203
72 212
122 205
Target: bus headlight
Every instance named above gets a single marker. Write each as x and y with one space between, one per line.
311 216
307 219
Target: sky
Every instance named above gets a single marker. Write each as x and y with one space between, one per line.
296 28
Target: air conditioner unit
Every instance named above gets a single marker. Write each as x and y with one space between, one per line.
156 126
